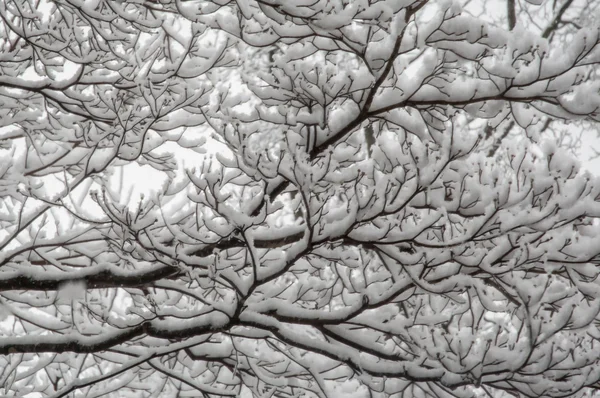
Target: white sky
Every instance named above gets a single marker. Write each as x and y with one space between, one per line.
144 180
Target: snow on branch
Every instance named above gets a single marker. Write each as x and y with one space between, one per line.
297 198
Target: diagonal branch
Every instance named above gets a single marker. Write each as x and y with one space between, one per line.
557 19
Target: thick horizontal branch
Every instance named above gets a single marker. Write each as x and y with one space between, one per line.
233 242
112 277
103 277
67 343
89 344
